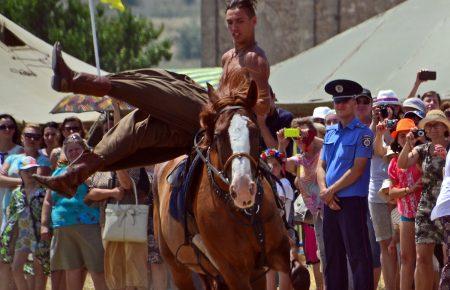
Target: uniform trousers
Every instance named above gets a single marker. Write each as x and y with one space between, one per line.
164 124
346 237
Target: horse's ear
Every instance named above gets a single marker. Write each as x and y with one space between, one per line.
213 97
252 94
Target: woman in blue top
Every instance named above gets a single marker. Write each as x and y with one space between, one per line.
76 243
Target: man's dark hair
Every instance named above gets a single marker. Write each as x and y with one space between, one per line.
249 5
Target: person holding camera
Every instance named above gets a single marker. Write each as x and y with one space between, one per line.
431 99
406 188
343 173
386 110
431 157
303 165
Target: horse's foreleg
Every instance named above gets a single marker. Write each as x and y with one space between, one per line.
235 280
182 276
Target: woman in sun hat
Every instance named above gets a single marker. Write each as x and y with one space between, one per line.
406 187
431 157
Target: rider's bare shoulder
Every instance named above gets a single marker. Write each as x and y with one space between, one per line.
226 56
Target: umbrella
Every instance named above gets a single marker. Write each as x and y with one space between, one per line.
84 103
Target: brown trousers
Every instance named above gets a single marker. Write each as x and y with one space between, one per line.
163 126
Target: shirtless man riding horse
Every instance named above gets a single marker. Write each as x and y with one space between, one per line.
166 120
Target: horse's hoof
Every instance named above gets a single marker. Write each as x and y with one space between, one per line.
300 277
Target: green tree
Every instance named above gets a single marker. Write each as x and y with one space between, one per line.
189 39
126 41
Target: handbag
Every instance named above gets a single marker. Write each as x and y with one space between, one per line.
126 222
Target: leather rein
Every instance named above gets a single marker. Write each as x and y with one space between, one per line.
207 159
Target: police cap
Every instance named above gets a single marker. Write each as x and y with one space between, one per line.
343 89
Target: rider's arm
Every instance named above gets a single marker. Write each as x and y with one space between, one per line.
259 71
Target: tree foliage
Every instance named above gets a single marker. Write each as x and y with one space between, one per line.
189 40
125 41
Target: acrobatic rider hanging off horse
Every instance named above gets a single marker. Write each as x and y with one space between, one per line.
167 118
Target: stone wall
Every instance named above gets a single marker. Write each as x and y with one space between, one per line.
287 27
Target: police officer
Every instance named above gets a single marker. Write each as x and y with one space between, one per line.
343 177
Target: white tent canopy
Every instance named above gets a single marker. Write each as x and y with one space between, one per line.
25 76
384 52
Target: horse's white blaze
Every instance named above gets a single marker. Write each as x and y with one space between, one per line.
240 142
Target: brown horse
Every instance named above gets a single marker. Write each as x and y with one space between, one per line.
236 231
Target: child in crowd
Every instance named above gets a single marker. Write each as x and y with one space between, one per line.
21 236
276 161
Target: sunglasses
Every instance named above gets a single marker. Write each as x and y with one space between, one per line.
363 101
7 127
342 101
73 129
32 136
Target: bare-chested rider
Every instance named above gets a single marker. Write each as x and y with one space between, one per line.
246 55
168 104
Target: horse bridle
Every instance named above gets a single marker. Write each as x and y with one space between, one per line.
207 160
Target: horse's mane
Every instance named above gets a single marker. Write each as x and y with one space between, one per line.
226 96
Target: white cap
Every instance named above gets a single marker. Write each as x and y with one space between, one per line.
415 103
320 112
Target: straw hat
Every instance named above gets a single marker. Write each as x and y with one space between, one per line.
404 124
435 116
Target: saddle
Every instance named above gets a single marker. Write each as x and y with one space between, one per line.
183 180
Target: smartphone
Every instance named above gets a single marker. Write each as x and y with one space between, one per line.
291 132
427 75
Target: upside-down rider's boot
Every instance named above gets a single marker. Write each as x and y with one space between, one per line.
77 172
66 80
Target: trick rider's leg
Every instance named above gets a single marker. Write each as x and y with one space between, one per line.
169 99
165 95
137 140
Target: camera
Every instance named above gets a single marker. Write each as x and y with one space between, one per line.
291 132
419 133
427 75
384 113
391 123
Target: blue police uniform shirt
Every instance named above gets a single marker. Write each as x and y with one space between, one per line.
340 148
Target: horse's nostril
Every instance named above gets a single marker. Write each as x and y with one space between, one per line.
233 194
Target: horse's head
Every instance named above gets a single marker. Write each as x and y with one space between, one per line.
232 132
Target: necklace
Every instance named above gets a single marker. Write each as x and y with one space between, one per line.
240 52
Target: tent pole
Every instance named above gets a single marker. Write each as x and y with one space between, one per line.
94 36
